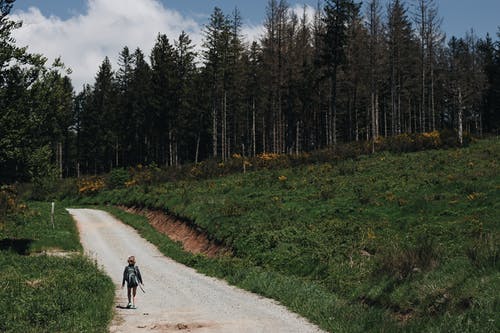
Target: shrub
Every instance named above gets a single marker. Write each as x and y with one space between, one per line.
44 175
90 185
117 178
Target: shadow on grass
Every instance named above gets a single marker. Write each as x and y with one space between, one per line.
19 246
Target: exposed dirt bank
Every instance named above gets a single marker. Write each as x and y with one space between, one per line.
193 240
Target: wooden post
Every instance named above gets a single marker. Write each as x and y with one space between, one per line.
243 157
52 215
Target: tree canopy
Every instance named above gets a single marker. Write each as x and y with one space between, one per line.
344 75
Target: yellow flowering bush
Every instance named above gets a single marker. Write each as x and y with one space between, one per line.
90 185
130 183
432 139
268 156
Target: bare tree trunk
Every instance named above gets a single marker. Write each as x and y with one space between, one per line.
197 151
433 111
460 118
333 108
223 129
176 153
263 134
297 138
423 29
254 136
377 116
214 132
385 122
410 109
170 149
243 158
116 153
481 124
59 160
371 116
373 122
398 124
275 148
356 125
393 107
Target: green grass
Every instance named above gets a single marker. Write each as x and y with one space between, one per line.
388 242
302 296
43 293
35 224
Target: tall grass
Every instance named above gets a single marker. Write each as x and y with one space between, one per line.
50 294
42 293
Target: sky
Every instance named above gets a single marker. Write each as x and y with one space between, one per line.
83 32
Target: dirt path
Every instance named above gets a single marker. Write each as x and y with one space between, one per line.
177 298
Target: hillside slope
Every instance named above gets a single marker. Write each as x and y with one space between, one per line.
394 241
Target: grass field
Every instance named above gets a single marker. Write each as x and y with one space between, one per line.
47 293
387 242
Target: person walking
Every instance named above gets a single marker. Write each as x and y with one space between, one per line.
131 275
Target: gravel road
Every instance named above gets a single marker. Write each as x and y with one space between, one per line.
177 298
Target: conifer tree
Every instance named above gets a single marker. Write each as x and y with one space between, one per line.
141 99
185 133
216 60
163 107
402 52
338 15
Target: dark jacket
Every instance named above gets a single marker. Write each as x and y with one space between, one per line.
137 273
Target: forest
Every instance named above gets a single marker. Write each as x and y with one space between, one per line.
351 73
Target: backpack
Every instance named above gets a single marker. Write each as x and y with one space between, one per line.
132 280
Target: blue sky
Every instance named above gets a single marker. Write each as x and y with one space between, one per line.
459 15
83 32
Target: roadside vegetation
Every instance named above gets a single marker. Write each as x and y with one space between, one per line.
387 242
46 284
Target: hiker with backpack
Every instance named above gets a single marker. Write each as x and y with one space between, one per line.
131 275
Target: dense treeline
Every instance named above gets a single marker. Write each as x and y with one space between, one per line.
349 73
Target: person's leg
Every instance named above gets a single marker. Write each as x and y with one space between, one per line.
134 291
129 295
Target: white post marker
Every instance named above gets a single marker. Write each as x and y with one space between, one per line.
52 215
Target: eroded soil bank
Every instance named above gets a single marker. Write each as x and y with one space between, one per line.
192 239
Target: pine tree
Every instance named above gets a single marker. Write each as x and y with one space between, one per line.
124 111
375 37
163 104
141 96
402 50
98 123
216 59
490 58
338 15
274 55
185 133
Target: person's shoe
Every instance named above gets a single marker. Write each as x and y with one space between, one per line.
133 306
129 305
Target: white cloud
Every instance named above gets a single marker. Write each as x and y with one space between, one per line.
83 40
310 12
252 33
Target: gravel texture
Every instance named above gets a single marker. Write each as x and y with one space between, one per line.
177 298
